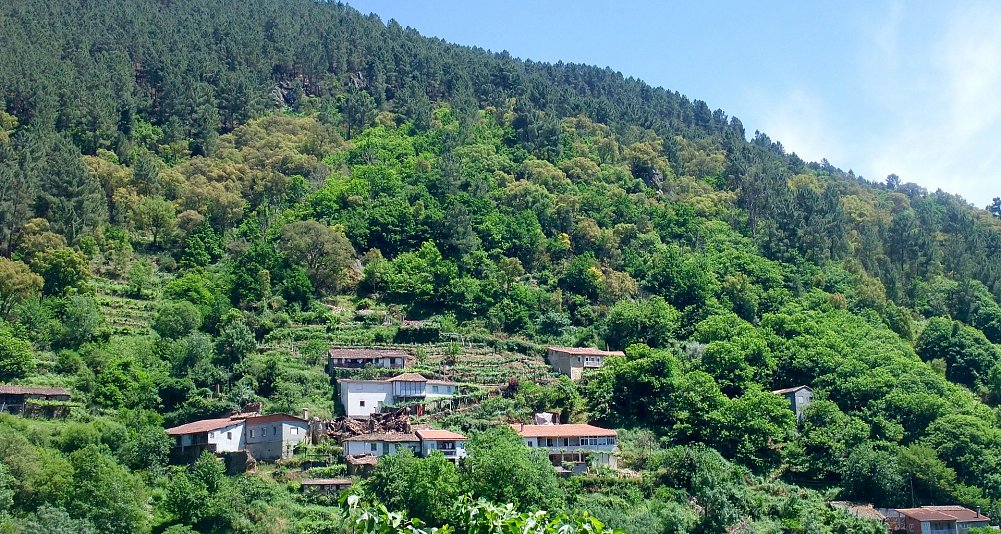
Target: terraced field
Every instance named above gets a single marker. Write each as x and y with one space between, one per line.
459 360
125 315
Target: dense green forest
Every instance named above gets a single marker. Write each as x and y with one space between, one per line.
198 199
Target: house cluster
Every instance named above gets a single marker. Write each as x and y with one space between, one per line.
264 437
571 448
950 519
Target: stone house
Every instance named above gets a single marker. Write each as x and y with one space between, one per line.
355 358
14 398
574 362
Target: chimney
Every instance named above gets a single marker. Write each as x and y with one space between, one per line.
305 413
978 511
217 389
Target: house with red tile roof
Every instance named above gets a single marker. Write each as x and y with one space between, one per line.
265 437
576 361
422 442
451 444
941 519
578 444
224 434
362 398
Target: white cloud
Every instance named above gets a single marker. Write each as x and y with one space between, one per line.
947 133
798 119
928 95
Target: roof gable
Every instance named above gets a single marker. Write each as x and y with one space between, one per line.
204 425
31 390
562 431
787 391
439 435
407 377
586 351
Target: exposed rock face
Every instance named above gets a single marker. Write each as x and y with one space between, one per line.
239 462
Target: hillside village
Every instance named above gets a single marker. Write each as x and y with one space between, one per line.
281 267
404 413
382 416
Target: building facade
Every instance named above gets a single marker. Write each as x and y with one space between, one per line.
325 485
578 445
267 437
353 358
382 444
451 444
574 362
422 442
800 398
274 437
362 398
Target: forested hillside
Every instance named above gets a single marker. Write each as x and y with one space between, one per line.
197 200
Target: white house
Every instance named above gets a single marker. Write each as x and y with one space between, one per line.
450 444
265 437
215 435
423 442
381 443
579 445
362 398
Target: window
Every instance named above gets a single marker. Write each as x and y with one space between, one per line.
229 435
434 389
251 432
274 430
361 403
264 431
295 431
374 446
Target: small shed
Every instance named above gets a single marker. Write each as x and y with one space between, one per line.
325 485
14 398
361 464
357 358
799 397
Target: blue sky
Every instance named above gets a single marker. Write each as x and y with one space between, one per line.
879 87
